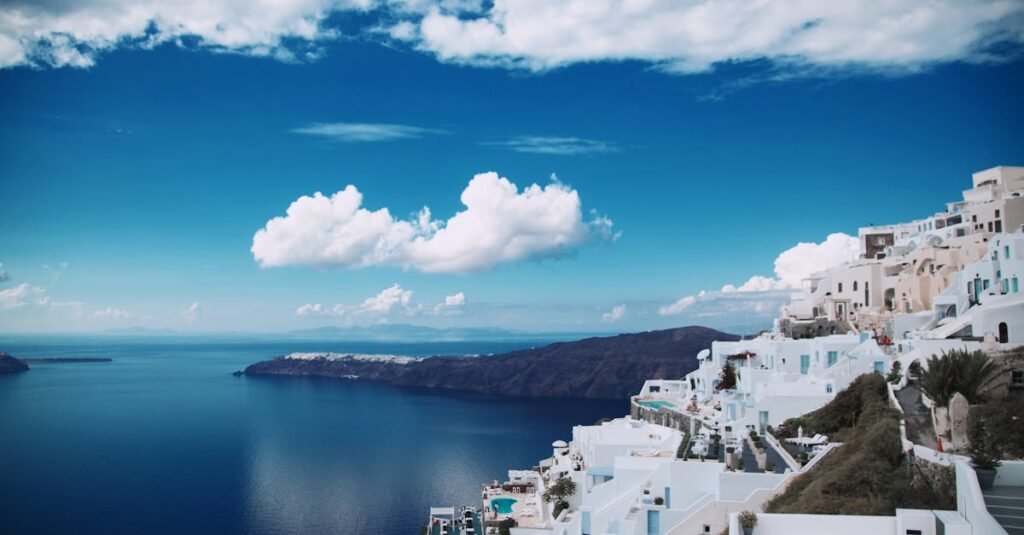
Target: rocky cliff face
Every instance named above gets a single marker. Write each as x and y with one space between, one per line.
609 367
9 364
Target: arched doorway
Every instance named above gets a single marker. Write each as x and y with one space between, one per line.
1004 333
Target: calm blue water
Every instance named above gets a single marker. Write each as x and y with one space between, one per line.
165 440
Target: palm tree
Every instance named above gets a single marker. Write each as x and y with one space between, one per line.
967 372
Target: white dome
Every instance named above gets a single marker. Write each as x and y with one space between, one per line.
559 444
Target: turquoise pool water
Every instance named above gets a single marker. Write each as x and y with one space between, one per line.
503 505
656 404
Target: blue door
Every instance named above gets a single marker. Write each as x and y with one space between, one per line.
805 363
586 523
879 367
653 522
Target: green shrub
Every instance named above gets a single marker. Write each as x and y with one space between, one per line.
894 373
1004 423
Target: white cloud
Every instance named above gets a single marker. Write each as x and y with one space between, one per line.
113 314
22 295
73 34
680 305
193 312
805 259
312 309
392 299
386 300
563 146
499 224
456 300
694 36
366 132
791 267
683 37
615 314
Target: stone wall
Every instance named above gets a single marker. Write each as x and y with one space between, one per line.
936 475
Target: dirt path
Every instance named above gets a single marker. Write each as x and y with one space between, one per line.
918 417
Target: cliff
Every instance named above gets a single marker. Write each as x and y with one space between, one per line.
9 364
608 367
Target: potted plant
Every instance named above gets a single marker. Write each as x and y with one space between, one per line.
748 519
658 500
983 455
985 467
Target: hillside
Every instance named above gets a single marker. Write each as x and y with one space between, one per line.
868 475
611 367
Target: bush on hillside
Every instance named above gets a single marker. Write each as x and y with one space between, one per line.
865 395
869 474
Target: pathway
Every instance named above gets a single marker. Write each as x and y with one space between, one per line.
918 417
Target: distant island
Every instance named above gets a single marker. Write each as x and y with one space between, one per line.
610 367
64 360
9 364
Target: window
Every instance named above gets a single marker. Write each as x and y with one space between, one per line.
879 367
833 357
999 225
990 226
828 388
805 363
974 219
997 213
984 284
1013 285
1006 252
855 286
840 287
1017 378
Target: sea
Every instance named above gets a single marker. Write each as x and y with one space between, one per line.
164 439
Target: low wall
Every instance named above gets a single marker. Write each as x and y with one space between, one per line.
970 503
774 524
661 416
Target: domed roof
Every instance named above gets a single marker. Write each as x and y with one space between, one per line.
559 444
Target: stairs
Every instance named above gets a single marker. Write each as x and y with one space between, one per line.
1006 505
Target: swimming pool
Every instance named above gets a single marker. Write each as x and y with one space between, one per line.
656 404
503 505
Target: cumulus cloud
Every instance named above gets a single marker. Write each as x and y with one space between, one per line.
499 224
73 34
806 258
615 314
193 312
680 305
456 300
563 146
366 132
763 305
694 36
22 295
791 267
391 299
113 314
680 37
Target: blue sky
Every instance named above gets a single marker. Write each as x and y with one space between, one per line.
133 180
